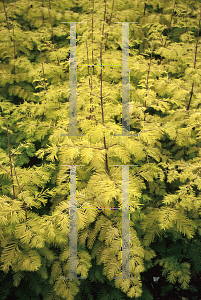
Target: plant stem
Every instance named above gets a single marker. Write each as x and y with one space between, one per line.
11 170
168 29
194 62
25 209
93 37
6 14
148 77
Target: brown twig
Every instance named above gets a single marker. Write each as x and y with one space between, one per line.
5 169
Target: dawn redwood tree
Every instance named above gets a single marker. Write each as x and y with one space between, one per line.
164 189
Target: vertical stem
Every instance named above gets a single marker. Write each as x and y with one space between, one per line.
7 18
109 23
104 20
67 69
186 25
145 4
92 60
105 146
148 77
25 209
49 7
11 170
90 83
43 79
197 41
194 62
191 94
93 37
8 25
111 12
168 29
104 16
101 90
43 71
14 45
42 12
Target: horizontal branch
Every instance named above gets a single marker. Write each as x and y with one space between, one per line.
99 96
5 169
12 211
49 45
80 146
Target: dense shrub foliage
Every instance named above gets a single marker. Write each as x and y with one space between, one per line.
165 119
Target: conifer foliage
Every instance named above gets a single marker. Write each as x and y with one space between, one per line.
164 187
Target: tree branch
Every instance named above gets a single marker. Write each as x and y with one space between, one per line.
5 169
